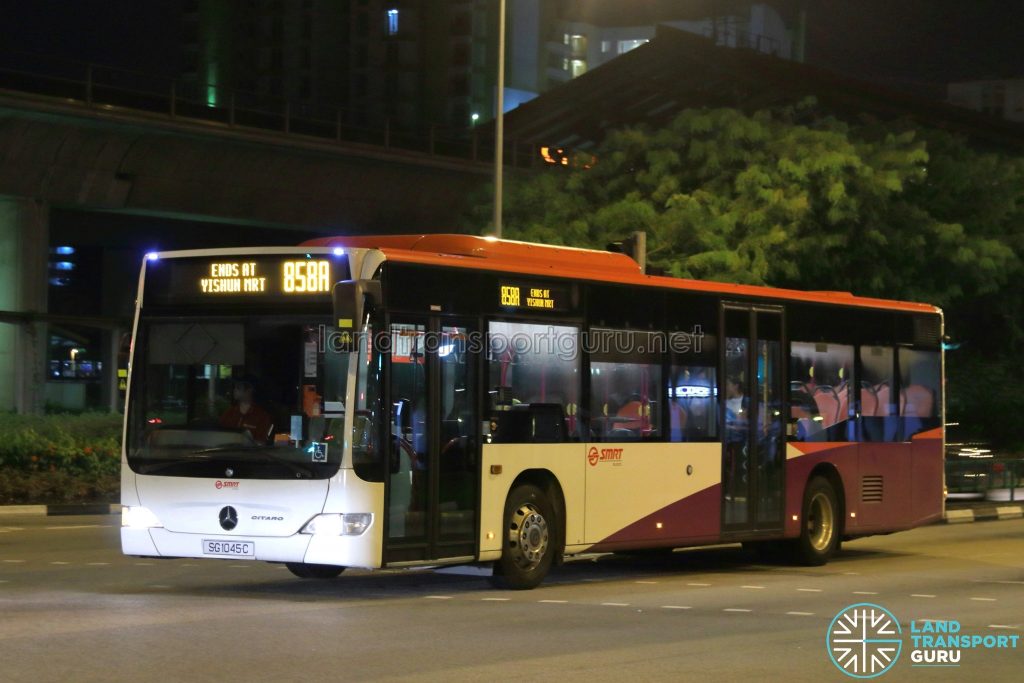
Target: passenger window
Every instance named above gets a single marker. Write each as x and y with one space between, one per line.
693 386
820 405
919 391
625 384
878 407
533 368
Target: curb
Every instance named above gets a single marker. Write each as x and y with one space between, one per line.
984 514
62 510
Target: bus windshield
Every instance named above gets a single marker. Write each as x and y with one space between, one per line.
254 397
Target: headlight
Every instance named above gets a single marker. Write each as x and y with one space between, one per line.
347 524
139 517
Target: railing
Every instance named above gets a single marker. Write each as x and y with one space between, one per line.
1000 479
191 101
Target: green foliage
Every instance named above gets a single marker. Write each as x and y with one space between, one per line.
59 458
795 198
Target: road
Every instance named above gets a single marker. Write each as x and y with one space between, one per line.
73 608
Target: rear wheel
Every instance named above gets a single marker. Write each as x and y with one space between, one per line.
819 533
529 539
314 571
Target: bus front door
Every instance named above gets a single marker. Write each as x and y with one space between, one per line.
753 447
432 485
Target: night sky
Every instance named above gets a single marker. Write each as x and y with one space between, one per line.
914 44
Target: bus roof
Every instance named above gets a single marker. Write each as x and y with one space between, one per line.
489 253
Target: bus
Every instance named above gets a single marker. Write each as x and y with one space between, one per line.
425 400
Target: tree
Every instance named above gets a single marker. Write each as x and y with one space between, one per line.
792 197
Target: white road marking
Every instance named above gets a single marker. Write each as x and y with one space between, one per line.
71 527
810 590
60 563
984 599
495 599
699 585
1011 627
554 602
753 587
14 561
921 595
615 604
851 573
675 607
736 609
9 529
240 566
801 614
865 593
647 583
196 565
437 597
159 585
143 564
98 564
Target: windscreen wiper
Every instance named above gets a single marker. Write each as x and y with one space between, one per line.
265 452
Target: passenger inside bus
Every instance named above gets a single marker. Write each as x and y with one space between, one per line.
245 413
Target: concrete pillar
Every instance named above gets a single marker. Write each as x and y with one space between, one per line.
24 255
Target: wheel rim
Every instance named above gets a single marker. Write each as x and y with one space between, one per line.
821 522
528 536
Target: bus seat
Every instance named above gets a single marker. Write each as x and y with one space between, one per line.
882 394
828 404
633 411
917 401
868 401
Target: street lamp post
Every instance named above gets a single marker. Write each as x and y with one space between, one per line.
499 125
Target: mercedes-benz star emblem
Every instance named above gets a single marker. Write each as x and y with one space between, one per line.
228 518
229 473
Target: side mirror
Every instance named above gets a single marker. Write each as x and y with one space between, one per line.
352 299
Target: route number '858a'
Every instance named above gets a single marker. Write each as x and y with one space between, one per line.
302 277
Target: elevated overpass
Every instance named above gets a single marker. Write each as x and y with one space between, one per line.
109 148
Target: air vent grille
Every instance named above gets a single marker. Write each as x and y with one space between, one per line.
871 488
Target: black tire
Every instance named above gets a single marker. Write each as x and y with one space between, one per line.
314 571
821 527
530 539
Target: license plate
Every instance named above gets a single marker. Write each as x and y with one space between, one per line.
230 548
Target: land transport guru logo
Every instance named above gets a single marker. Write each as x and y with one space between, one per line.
865 640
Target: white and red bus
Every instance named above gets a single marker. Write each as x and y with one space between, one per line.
447 399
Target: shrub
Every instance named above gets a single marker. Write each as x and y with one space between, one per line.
59 458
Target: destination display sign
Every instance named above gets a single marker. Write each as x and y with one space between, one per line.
255 278
534 297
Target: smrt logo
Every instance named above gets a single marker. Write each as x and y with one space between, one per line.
595 456
864 640
226 484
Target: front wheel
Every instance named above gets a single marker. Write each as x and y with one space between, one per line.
529 539
819 533
314 571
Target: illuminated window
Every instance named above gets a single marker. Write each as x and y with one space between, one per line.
627 45
606 45
579 67
392 22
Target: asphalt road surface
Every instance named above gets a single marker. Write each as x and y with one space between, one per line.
73 609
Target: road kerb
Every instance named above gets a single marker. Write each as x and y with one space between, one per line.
1010 511
959 516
